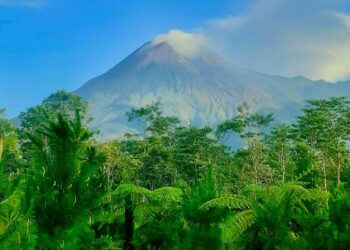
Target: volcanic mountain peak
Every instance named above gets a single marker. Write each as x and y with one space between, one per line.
201 88
156 64
161 53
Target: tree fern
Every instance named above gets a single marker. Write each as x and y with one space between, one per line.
266 218
142 208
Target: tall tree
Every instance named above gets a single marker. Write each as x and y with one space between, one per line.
250 126
62 185
152 120
279 146
155 150
193 150
145 115
325 126
59 102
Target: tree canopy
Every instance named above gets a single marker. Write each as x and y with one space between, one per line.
175 186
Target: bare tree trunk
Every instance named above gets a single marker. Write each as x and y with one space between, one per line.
338 163
1 146
338 169
255 173
254 161
282 162
324 173
338 176
145 128
128 224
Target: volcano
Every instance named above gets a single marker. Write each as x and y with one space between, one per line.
202 89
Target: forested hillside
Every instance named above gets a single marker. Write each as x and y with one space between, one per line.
175 187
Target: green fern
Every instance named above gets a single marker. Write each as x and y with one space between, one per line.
265 211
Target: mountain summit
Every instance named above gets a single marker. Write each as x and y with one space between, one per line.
202 89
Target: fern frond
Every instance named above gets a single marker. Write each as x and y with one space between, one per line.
144 213
230 202
128 189
168 193
236 225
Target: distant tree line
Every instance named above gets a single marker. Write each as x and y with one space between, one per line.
174 186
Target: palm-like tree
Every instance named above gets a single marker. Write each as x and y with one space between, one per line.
202 226
62 188
266 217
142 213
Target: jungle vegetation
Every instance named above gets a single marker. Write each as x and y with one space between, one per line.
175 186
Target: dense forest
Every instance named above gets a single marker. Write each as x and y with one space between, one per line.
175 186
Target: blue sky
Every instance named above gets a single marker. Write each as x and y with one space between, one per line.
46 45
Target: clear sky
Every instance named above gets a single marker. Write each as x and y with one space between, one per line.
46 45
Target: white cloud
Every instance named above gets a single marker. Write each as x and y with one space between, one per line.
23 3
188 44
287 37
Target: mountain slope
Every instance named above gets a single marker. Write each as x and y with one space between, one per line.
202 89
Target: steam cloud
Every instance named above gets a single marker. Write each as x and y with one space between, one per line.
187 44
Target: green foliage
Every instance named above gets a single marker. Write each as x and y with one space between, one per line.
193 151
10 155
246 123
175 187
268 219
325 127
279 145
202 230
61 183
152 120
17 226
339 207
146 214
156 170
60 102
